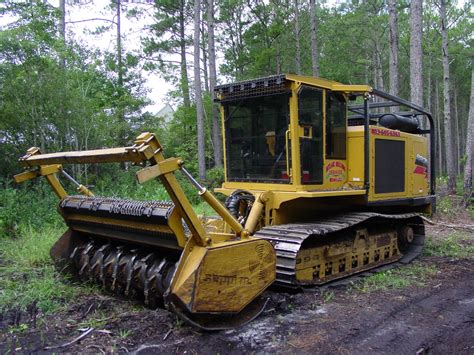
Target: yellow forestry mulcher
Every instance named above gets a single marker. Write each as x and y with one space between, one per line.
323 181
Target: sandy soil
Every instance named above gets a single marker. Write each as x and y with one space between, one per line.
436 317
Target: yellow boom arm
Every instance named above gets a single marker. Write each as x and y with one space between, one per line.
146 148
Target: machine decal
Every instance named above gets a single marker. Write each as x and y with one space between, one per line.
335 171
421 165
384 132
226 279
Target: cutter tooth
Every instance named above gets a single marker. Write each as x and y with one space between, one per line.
99 256
81 270
74 252
129 272
159 277
143 275
85 258
115 268
146 289
89 246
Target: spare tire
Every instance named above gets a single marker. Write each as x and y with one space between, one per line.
239 204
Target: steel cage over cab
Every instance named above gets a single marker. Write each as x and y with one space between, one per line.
292 133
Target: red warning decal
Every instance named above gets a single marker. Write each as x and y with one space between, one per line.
421 165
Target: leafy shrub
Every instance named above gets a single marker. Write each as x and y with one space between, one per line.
215 177
31 204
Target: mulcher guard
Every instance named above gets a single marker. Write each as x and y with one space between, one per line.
157 251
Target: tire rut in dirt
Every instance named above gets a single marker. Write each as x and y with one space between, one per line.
410 327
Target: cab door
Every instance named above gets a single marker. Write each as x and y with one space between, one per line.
310 133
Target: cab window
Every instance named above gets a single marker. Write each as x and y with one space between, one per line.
336 126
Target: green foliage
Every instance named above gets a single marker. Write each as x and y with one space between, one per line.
124 185
444 205
413 274
456 245
33 204
61 97
215 178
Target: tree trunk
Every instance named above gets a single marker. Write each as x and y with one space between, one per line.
297 38
379 82
314 38
184 84
416 55
62 31
204 56
278 60
62 19
458 149
429 105
216 127
62 28
438 130
198 92
448 134
119 46
469 148
429 91
393 39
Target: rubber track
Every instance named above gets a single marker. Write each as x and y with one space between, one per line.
288 238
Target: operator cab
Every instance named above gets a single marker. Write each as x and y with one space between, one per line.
282 129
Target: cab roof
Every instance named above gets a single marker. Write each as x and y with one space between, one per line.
277 84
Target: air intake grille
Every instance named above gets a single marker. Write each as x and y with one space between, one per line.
251 88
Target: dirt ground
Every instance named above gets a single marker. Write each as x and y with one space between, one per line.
433 317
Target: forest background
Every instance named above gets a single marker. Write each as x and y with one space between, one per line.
59 93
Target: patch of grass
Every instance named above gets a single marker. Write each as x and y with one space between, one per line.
41 286
31 248
413 274
470 212
444 205
18 329
124 333
27 273
456 245
97 320
327 295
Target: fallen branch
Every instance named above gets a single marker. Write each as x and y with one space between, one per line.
82 336
155 346
88 310
427 220
96 347
104 331
167 334
469 227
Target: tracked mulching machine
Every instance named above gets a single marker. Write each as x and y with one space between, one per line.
323 181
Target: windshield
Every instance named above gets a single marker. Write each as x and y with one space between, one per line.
255 138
